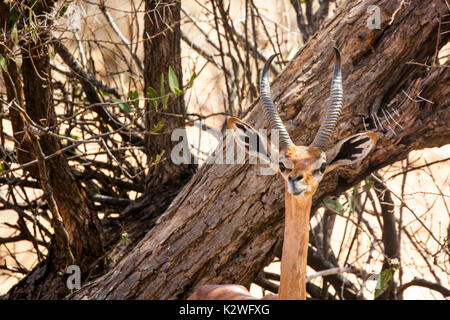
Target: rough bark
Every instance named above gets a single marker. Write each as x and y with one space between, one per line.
79 218
228 220
161 50
390 236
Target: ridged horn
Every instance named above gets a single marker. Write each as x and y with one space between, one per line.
269 107
334 110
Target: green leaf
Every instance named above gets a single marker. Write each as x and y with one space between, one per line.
52 56
159 156
192 78
334 205
14 34
63 11
173 82
351 199
134 95
35 30
383 282
178 92
30 17
152 94
351 202
125 237
158 126
164 100
368 186
3 63
2 166
124 106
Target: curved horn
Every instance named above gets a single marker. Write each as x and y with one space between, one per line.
334 110
269 108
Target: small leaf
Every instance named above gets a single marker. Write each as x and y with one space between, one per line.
334 205
124 106
35 30
383 282
134 95
125 237
52 56
152 94
351 202
351 199
30 17
14 34
192 78
158 126
178 92
164 100
368 186
2 166
3 64
76 90
159 156
63 11
173 82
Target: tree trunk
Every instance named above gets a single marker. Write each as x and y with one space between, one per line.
228 220
85 235
390 236
161 51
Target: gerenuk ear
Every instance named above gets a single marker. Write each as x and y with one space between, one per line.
251 140
350 150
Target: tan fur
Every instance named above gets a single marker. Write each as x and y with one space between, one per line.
302 159
295 248
221 292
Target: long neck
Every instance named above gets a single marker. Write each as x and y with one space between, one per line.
295 248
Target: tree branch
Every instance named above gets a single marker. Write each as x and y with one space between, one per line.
425 284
